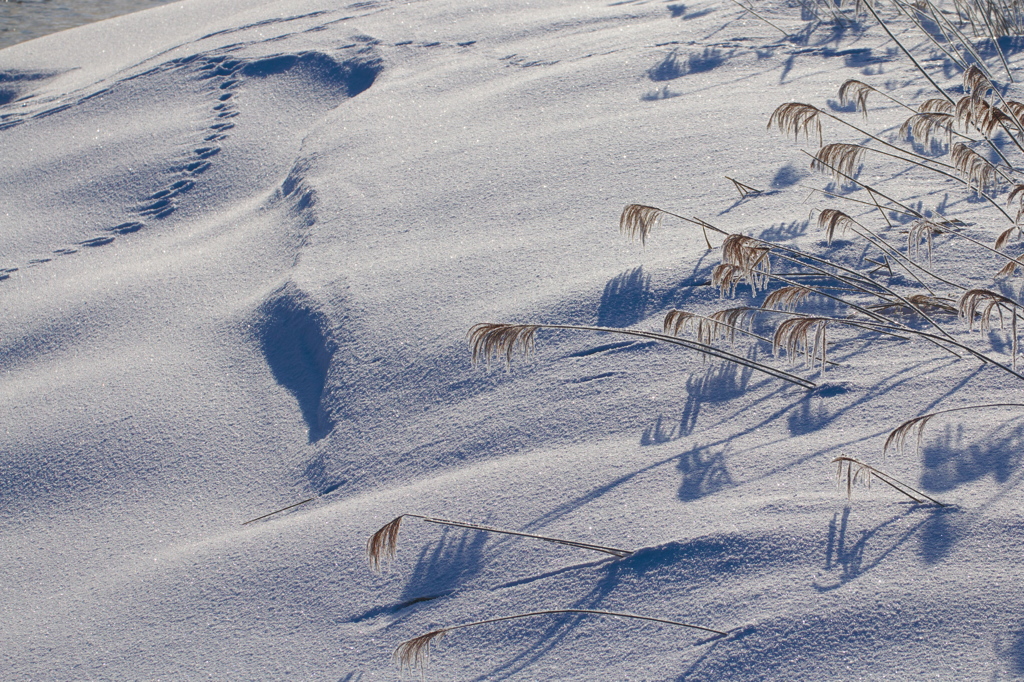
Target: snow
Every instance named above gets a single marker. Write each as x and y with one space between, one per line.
244 244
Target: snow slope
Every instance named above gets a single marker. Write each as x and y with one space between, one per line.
242 245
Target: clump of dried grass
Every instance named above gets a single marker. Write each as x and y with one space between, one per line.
832 219
982 304
786 299
923 125
839 158
867 301
720 325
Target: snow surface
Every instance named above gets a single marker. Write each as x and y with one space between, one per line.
243 243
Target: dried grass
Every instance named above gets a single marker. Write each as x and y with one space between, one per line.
897 439
855 92
785 299
744 189
1004 237
917 304
1010 268
1014 109
415 652
859 472
922 231
978 173
832 219
976 83
750 256
937 105
1016 194
795 118
638 220
982 303
382 546
794 336
972 111
720 325
923 125
492 340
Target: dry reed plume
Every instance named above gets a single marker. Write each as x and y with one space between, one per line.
637 221
897 439
796 118
794 335
490 340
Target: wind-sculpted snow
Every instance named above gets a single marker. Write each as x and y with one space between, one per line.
242 245
296 340
229 87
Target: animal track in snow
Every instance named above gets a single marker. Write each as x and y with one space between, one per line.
223 73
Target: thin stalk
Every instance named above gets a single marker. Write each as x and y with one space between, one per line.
873 204
736 2
976 242
881 244
912 212
692 345
881 141
1009 112
936 170
838 299
871 190
571 543
964 347
964 41
957 59
415 652
278 511
887 322
733 327
592 612
898 436
885 478
845 321
856 276
995 42
765 338
907 52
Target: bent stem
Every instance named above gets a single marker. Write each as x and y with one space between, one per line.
898 437
278 511
383 545
491 339
415 652
856 468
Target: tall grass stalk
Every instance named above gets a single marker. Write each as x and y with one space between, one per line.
415 653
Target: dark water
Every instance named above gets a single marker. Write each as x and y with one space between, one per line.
22 20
